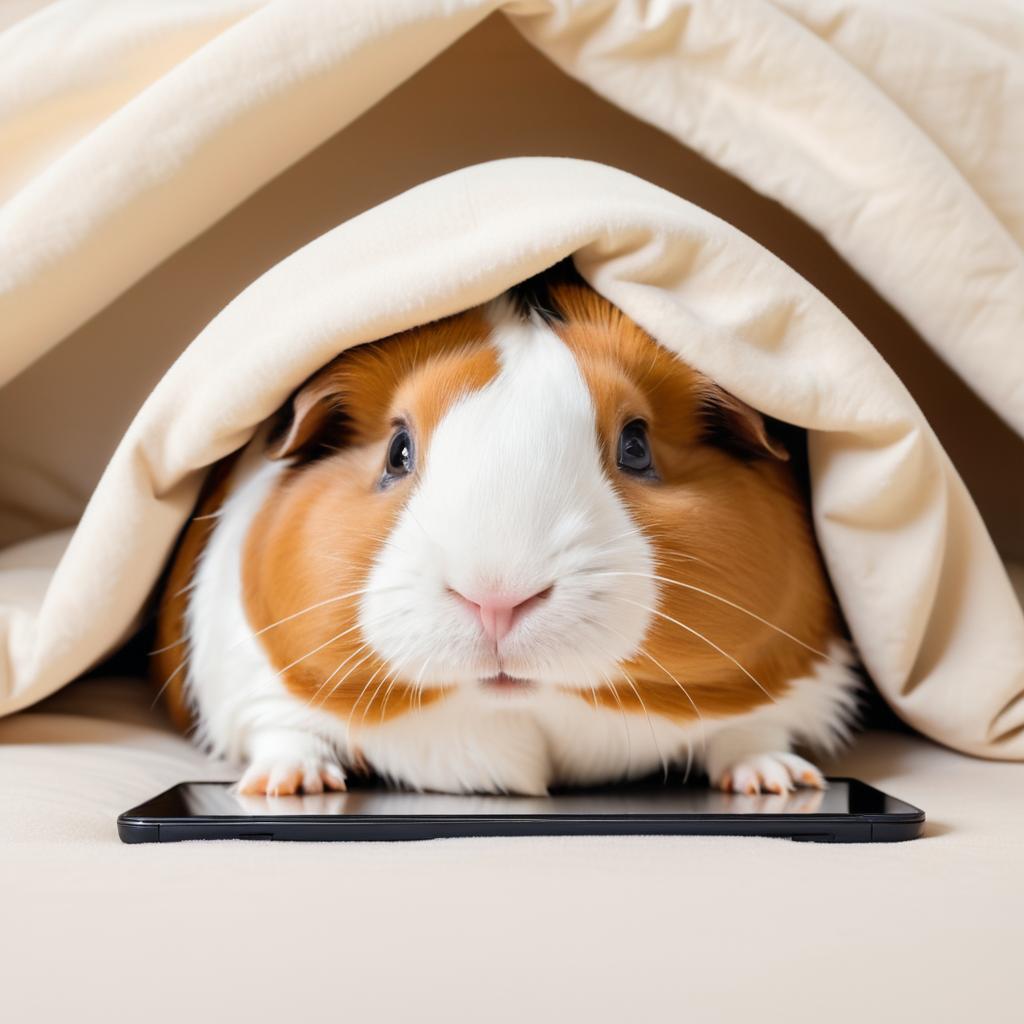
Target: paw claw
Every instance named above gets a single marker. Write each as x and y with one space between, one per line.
286 785
334 778
291 777
777 773
253 785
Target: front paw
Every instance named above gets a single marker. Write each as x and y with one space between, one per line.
286 776
769 773
283 762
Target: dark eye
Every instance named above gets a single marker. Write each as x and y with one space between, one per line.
635 449
399 460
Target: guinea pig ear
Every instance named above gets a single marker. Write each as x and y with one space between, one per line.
305 418
735 426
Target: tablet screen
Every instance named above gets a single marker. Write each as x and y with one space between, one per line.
221 800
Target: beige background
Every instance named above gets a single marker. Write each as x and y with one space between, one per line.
596 929
58 422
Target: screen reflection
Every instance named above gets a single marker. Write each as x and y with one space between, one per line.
223 800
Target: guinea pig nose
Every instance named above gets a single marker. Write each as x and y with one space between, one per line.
499 612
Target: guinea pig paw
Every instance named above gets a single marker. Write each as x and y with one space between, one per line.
770 773
285 778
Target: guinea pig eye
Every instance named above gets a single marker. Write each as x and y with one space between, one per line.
399 460
635 449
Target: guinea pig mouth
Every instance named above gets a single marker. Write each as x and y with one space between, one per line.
503 681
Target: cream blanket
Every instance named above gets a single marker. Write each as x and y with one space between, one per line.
892 128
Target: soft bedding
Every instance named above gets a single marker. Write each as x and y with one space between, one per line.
889 127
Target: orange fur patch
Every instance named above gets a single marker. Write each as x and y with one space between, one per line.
319 533
736 529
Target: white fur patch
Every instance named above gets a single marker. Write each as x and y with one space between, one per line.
513 495
243 709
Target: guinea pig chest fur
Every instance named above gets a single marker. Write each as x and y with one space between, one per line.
520 546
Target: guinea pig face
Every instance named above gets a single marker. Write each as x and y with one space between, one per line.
502 503
492 574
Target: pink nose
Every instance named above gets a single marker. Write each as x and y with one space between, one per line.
500 612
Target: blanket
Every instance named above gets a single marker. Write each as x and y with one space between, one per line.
894 129
925 595
98 191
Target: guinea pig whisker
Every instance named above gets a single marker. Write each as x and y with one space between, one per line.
366 643
188 588
366 686
643 652
615 540
169 647
625 720
731 604
430 540
415 685
362 661
392 675
337 669
387 694
419 697
362 535
390 613
624 535
703 732
678 556
709 642
313 607
650 723
185 660
167 682
344 662
392 671
593 571
309 654
423 670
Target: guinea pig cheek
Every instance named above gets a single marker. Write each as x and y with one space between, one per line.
406 615
608 597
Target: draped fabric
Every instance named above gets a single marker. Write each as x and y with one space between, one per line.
894 129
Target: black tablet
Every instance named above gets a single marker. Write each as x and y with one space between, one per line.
847 811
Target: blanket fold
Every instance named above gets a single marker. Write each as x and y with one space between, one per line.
893 129
926 597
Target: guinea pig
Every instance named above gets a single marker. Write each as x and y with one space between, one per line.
522 546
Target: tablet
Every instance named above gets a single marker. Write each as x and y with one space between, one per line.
847 811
